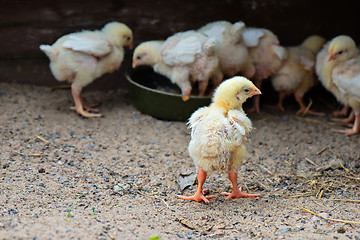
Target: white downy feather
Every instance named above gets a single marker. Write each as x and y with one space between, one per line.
280 52
252 36
348 85
97 47
183 52
241 129
216 32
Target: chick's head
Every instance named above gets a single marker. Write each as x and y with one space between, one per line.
147 53
341 48
232 93
120 34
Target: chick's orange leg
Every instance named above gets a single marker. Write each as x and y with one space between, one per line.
356 128
299 99
199 195
280 102
342 112
87 107
345 120
79 108
236 192
202 87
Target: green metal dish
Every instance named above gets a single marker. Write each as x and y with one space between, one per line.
154 94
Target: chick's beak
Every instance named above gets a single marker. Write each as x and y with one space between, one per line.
331 56
255 91
135 64
130 45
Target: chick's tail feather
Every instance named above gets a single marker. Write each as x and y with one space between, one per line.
49 51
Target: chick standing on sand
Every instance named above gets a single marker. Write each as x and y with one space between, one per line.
81 57
217 135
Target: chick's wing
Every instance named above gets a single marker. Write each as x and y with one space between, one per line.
346 77
181 51
92 44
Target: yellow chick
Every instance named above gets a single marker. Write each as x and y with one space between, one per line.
81 57
218 133
297 74
343 64
323 70
266 56
230 47
185 58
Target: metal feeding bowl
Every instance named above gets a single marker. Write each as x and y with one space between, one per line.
154 94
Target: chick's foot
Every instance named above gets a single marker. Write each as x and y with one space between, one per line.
236 193
198 197
88 108
86 114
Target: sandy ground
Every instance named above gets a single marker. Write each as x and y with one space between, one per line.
65 177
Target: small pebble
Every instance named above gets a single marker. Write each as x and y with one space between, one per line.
63 179
41 170
180 235
341 230
283 230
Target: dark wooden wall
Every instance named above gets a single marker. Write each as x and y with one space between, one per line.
24 25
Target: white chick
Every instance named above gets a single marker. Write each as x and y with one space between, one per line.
297 74
185 58
340 73
81 57
230 47
218 133
266 55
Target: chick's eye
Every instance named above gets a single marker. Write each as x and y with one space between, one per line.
246 90
340 52
128 38
138 57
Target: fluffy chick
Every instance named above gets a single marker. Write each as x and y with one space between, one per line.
340 74
184 58
266 55
230 47
218 133
297 74
81 57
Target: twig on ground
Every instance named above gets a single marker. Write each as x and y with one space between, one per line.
42 139
322 150
344 200
307 108
309 161
353 178
329 219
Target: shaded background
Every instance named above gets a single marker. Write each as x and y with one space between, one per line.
24 25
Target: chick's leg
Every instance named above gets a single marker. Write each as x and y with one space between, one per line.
349 119
356 128
87 107
202 87
342 112
303 109
236 192
280 105
199 195
79 106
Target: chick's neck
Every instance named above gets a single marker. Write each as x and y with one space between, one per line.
226 107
